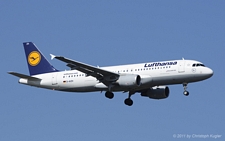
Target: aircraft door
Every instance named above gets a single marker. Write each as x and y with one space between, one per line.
54 79
181 66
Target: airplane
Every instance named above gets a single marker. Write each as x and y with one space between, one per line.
149 79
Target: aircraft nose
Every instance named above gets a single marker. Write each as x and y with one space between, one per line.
209 72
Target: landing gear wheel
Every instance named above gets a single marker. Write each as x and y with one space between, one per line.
128 102
109 95
186 93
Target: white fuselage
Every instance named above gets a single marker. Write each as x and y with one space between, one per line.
152 74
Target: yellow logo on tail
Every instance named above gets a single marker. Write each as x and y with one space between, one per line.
34 58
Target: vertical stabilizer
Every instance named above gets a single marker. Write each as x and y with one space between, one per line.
36 61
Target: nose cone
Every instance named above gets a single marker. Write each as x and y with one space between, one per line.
209 72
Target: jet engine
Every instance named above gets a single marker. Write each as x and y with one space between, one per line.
159 92
129 80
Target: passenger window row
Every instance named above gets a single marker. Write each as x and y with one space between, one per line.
153 68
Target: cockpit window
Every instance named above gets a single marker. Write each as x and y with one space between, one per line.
198 65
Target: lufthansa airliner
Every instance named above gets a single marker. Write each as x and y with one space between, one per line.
149 79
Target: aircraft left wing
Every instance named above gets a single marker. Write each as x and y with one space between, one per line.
104 76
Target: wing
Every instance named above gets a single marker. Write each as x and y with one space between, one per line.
104 76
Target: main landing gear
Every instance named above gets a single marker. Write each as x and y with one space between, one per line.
186 93
127 101
109 95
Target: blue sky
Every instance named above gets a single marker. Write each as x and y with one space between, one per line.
111 33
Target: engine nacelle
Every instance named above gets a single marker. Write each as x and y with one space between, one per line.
129 80
160 92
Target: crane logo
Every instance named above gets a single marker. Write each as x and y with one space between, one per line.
34 58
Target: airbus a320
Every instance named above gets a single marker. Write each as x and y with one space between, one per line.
148 79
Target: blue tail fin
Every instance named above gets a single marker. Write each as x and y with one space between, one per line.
36 61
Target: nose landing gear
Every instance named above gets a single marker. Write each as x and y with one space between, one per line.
186 93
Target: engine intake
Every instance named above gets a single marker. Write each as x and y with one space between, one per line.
129 80
160 92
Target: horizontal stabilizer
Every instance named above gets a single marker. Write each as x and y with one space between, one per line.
23 76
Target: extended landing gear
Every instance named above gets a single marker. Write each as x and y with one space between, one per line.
186 93
109 95
128 102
